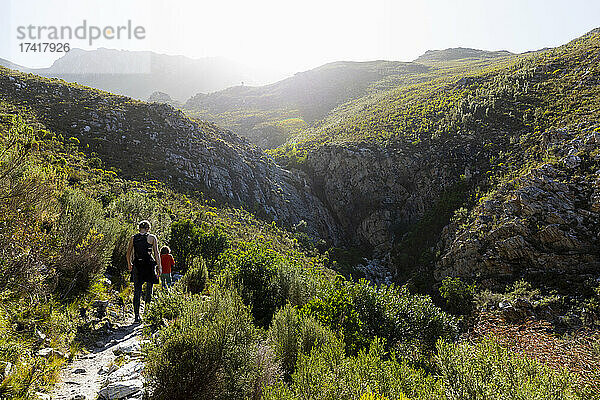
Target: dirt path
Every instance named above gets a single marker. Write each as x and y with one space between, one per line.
114 360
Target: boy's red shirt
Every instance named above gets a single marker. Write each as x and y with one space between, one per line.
167 262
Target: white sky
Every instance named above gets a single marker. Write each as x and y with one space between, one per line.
292 36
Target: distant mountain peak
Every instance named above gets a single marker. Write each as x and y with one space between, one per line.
459 53
140 73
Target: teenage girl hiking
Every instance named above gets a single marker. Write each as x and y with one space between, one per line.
143 261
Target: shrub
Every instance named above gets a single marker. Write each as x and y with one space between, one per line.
291 335
189 241
362 312
254 269
210 352
26 199
183 242
489 371
85 243
165 306
336 309
296 283
195 279
519 290
119 274
326 374
212 244
458 295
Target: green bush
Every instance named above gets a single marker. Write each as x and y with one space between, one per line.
195 279
327 374
458 295
266 279
86 243
254 269
210 352
212 244
296 283
119 273
183 242
336 309
399 316
188 241
362 312
291 335
487 371
166 305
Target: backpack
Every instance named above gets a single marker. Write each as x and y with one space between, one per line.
143 262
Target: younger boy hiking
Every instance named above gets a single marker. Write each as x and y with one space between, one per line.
167 262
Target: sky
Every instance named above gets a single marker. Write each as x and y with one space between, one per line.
287 36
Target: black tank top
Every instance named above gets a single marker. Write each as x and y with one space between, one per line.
143 261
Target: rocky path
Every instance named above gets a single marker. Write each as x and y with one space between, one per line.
112 370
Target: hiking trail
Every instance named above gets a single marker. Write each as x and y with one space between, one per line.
110 370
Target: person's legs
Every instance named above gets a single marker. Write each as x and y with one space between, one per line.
166 280
148 296
137 294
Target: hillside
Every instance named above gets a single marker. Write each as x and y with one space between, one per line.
138 74
65 218
459 53
419 152
154 140
268 115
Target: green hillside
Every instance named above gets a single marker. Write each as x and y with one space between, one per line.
420 152
268 115
526 92
65 220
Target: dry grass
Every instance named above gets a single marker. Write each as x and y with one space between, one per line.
579 352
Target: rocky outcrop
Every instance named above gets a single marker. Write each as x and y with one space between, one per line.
123 382
375 192
161 97
544 223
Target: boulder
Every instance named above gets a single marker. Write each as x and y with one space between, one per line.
131 370
49 352
128 348
121 389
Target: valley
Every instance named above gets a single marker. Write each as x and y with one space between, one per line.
466 180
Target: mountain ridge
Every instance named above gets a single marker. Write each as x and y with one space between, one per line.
140 73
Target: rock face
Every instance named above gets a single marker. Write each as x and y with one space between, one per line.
544 223
376 191
155 140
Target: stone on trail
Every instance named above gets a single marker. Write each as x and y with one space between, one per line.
50 352
119 390
129 348
127 372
